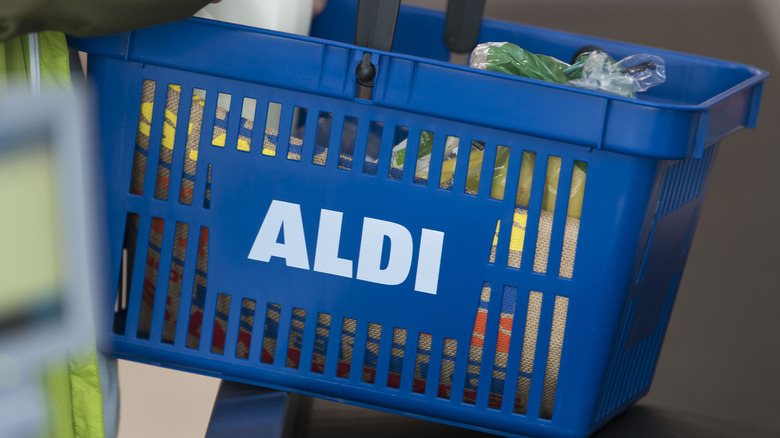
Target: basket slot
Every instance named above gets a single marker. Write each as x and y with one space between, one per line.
371 357
421 363
246 326
297 133
165 160
487 168
347 150
574 211
425 155
476 347
559 218
150 277
560 310
143 131
207 190
322 141
449 162
396 366
474 175
373 142
348 331
246 125
400 136
321 337
360 152
189 167
295 343
544 233
272 118
494 246
447 373
500 168
126 272
307 131
198 302
524 378
543 339
221 319
503 340
175 278
270 332
221 120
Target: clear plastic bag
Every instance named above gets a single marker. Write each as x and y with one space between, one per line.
627 77
594 70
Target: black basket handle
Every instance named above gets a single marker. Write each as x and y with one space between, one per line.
376 22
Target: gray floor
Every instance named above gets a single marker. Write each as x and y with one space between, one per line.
717 374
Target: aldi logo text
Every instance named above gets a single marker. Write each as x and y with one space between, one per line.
285 218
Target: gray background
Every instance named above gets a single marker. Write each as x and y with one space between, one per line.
717 374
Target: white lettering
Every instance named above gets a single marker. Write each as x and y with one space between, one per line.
371 246
326 258
281 216
429 261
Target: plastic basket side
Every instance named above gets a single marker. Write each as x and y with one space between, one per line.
669 230
493 348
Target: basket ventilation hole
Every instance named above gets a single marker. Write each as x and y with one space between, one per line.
573 213
150 277
449 160
273 114
166 144
246 125
207 192
221 316
221 120
348 329
493 248
424 157
421 363
191 150
245 326
198 291
125 272
372 147
295 342
270 332
498 185
560 310
398 158
142 137
348 132
447 368
396 358
476 152
548 213
372 352
520 215
297 133
322 333
322 140
502 347
527 356
174 282
476 346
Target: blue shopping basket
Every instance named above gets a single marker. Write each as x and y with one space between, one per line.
260 233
